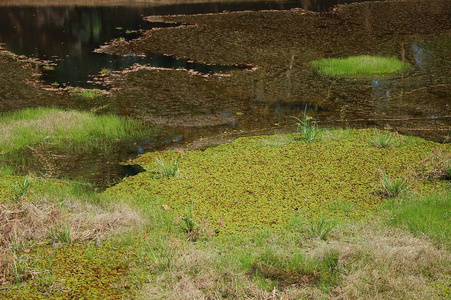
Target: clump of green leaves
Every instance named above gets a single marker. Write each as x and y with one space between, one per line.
392 188
383 140
20 189
307 128
167 168
321 228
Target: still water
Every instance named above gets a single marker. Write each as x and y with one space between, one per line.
68 35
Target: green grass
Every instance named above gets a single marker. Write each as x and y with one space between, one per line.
359 65
429 215
63 129
138 243
307 128
393 188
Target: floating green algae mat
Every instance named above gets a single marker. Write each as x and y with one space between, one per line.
262 182
75 271
359 65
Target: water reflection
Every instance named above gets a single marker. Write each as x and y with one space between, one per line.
67 35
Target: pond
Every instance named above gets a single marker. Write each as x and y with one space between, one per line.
206 73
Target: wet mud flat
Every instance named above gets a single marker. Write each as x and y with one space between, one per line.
279 46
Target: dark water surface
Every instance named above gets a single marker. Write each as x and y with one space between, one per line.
212 109
68 35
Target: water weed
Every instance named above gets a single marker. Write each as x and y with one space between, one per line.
246 184
85 93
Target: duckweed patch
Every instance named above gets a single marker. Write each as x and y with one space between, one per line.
76 271
248 184
359 65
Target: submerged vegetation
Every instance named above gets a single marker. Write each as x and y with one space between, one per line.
359 65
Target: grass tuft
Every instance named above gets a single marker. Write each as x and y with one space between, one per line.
359 65
383 140
167 168
21 189
321 228
307 129
392 188
61 234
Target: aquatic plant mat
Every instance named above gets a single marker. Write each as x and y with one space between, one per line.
265 217
262 182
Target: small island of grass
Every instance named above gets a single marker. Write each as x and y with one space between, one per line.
359 65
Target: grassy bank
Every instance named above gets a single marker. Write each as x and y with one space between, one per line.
232 222
47 141
65 129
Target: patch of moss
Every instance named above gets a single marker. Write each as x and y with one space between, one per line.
359 65
247 184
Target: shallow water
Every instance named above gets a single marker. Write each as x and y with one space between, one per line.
199 111
68 35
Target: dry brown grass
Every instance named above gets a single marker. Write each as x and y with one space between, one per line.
386 263
375 262
26 224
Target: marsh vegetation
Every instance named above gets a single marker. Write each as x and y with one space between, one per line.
292 228
315 213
